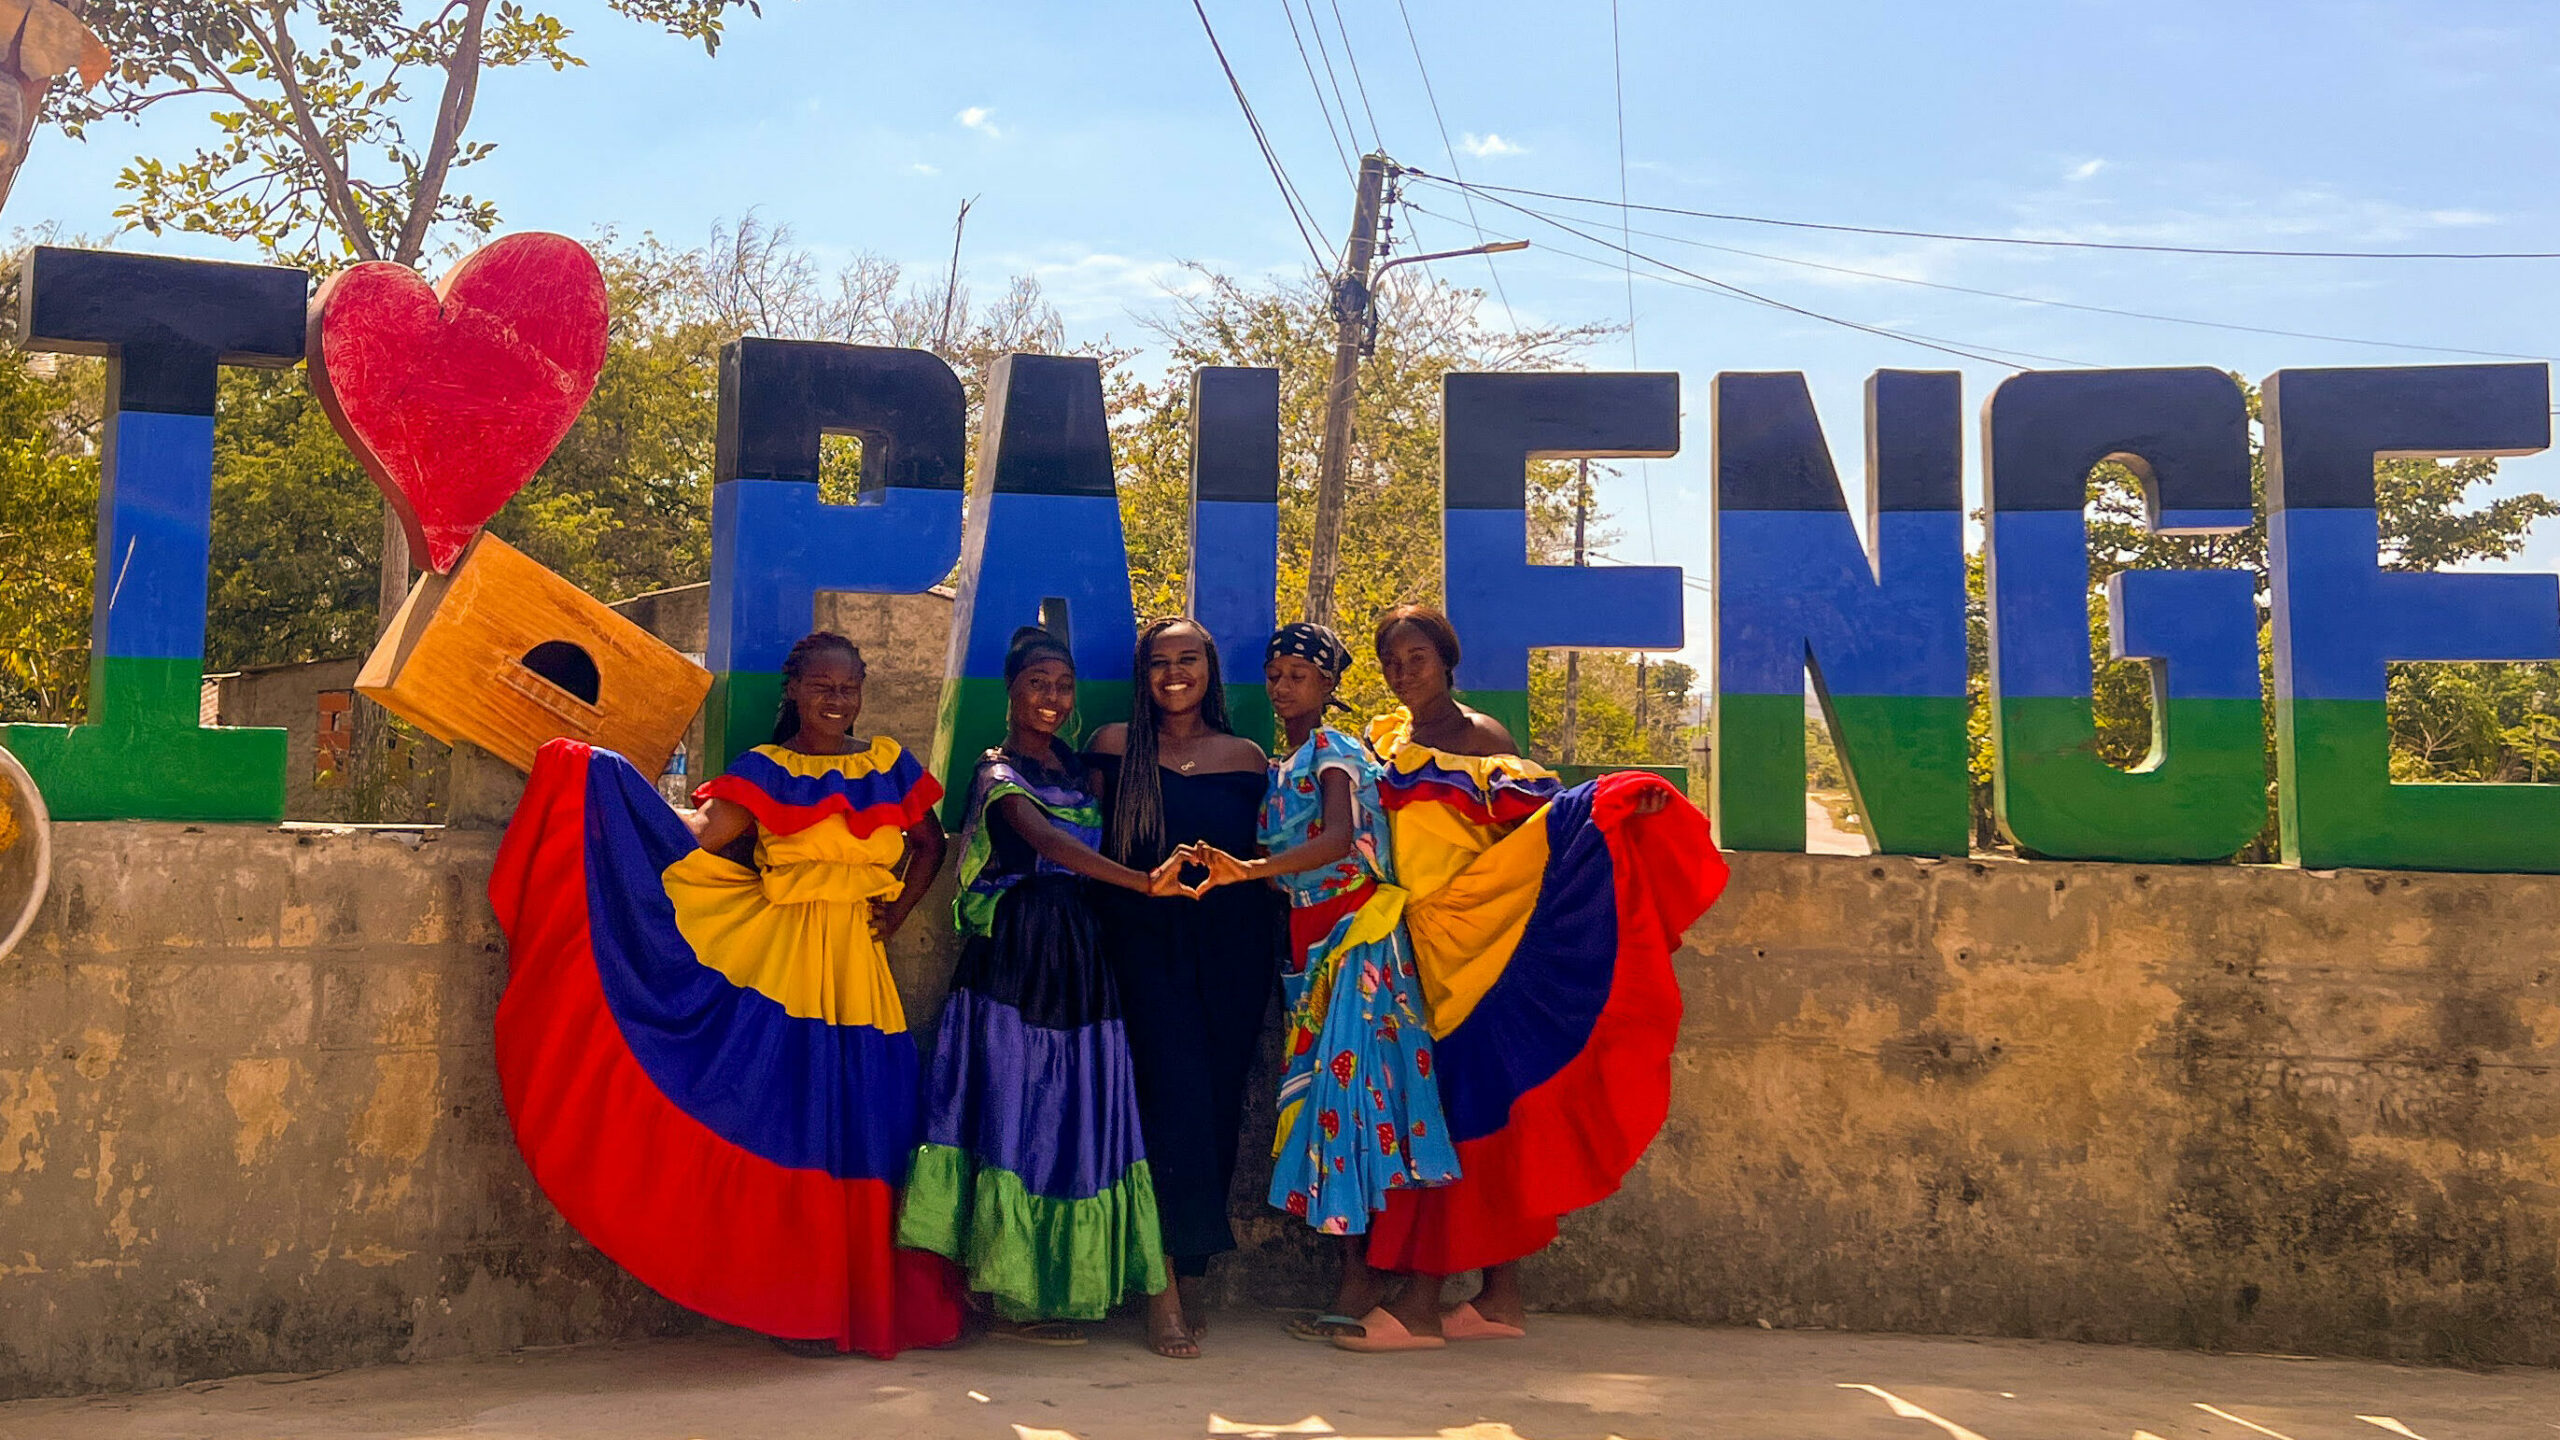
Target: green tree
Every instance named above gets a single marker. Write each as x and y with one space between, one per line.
313 158
48 527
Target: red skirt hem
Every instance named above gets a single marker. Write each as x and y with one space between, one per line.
1569 1142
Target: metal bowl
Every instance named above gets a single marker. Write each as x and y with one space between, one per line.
26 851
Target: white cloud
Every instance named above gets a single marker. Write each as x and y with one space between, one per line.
981 119
2085 169
1487 146
922 168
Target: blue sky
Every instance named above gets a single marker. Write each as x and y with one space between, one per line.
1105 149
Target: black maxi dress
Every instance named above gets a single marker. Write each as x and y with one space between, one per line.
1195 979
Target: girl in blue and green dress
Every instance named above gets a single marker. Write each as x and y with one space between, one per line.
1359 1110
1033 1173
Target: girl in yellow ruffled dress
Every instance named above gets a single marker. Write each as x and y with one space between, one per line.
702 1049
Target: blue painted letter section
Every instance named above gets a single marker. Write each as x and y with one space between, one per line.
1505 607
2340 618
1879 626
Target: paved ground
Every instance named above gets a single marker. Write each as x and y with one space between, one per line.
1574 1379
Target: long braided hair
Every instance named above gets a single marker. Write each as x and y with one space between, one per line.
786 719
1137 811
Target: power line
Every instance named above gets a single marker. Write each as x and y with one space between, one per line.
1452 150
1288 193
1463 183
1926 342
2066 304
1344 155
1719 290
1316 29
1635 361
1353 57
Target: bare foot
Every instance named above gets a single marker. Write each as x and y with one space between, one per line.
1167 1335
1501 1300
1195 1309
1361 1293
1418 1308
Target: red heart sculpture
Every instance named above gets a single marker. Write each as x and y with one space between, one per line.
453 396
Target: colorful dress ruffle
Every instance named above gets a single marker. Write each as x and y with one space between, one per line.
1359 1107
1032 1173
1543 922
706 1065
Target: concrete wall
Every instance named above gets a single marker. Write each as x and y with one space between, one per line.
2247 1108
248 1119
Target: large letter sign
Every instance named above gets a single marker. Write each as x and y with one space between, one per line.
2202 793
1492 426
774 545
1235 528
2340 618
1880 627
165 327
1043 542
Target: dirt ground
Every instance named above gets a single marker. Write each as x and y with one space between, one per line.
1573 1379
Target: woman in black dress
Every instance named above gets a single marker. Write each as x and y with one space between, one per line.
1195 975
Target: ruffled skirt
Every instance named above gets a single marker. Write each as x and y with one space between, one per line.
733 1143
1360 1109
1032 1174
1550 957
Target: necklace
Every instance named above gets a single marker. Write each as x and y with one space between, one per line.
1186 766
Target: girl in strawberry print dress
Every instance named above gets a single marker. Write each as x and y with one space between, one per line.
1359 1111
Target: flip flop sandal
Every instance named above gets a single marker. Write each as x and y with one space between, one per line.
1383 1334
1465 1322
1046 1332
1321 1328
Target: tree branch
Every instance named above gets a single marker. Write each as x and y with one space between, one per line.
339 197
461 89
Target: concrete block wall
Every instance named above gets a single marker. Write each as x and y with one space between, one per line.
249 1120
2238 1107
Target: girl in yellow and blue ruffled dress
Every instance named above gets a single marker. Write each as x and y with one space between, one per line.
702 1050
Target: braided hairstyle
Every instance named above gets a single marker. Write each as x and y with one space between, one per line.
786 719
1136 834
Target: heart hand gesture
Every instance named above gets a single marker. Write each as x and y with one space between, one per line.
1223 868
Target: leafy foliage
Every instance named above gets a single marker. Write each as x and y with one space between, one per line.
313 159
48 529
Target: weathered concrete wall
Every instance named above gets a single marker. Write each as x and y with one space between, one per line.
248 1119
2249 1108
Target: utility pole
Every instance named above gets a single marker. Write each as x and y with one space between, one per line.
1644 737
1573 658
1354 318
1351 329
951 285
